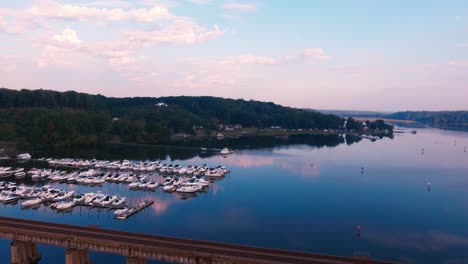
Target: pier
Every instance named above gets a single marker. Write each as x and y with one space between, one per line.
137 248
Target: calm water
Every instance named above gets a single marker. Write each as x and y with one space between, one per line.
274 197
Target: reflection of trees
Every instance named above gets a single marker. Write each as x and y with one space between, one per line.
351 139
189 149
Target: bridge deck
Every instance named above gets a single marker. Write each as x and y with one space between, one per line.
188 246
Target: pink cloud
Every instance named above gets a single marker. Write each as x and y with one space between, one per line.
460 63
240 6
55 10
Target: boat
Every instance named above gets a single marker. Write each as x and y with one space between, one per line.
108 200
152 185
170 188
90 198
24 156
63 195
134 185
8 197
98 199
189 188
224 151
31 202
79 198
20 175
119 202
168 181
122 213
142 185
214 173
62 206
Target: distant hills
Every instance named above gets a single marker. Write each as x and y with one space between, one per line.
51 118
354 113
455 120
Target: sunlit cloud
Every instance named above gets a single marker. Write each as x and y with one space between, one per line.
458 63
240 6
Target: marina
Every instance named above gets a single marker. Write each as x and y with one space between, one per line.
145 176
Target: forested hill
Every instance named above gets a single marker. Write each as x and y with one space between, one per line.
65 118
442 119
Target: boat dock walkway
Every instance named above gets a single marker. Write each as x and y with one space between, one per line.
135 209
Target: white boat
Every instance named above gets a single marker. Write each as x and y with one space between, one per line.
24 156
142 185
8 197
108 200
63 195
201 182
20 175
64 205
134 185
170 188
189 188
122 213
225 151
79 198
182 170
168 181
98 181
119 202
152 185
32 202
214 173
90 198
130 178
99 198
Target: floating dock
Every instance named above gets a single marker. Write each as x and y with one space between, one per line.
135 210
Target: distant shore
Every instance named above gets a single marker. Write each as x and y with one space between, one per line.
387 120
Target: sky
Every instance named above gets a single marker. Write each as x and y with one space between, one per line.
349 55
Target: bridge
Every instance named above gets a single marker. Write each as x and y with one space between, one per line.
138 248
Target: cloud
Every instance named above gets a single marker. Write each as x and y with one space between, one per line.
458 63
181 31
68 36
305 55
461 45
54 10
200 2
240 6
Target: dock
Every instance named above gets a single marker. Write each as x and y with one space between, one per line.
135 210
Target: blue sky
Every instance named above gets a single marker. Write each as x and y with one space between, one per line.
362 55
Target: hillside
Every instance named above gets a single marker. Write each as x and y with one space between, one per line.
443 119
353 113
50 118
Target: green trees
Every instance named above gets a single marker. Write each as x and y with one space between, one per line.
56 119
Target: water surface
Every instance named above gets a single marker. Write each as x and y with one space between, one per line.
306 194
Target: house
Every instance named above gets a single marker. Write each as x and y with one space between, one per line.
161 104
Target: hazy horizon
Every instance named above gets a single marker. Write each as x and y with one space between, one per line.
384 56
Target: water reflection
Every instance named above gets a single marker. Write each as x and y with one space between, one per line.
302 194
191 149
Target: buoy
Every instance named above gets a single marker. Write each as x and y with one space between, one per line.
428 186
358 228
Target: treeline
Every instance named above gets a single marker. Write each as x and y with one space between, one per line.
377 125
50 118
442 119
